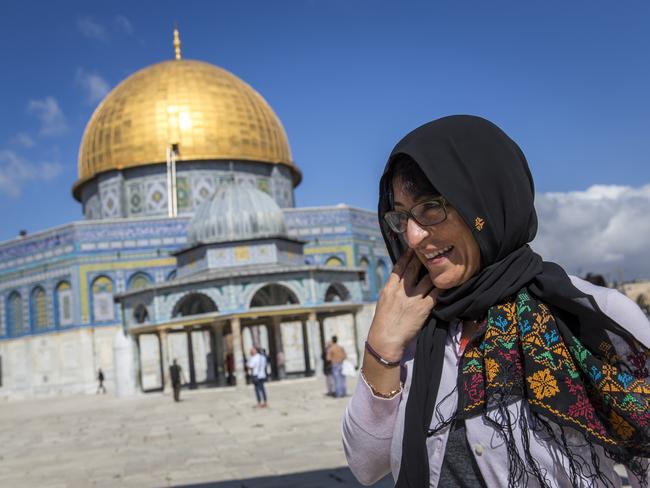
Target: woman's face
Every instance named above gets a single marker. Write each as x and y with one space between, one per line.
460 258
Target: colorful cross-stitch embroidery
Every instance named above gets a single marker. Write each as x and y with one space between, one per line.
521 351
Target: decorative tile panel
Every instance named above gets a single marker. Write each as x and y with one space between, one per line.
135 199
156 196
111 201
203 188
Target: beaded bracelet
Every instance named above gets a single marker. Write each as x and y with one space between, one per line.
375 354
387 396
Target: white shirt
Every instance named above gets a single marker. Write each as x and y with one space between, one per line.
257 365
373 427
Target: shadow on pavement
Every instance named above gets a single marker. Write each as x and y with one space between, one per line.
322 478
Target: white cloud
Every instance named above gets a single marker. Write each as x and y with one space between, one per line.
47 110
15 172
92 29
94 85
605 230
123 25
24 140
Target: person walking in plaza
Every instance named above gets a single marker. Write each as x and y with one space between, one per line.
336 355
257 369
100 381
484 364
327 372
175 375
230 368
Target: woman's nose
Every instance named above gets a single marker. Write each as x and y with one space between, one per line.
414 233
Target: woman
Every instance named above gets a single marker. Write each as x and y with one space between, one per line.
512 373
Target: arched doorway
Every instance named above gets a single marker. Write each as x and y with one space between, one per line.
196 348
194 304
272 295
268 334
341 325
336 292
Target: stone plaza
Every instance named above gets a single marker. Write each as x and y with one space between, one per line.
212 438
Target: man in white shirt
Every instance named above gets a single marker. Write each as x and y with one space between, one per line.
257 369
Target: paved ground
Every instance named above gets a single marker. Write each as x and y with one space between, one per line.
213 438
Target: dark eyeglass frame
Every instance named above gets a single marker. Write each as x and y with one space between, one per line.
411 215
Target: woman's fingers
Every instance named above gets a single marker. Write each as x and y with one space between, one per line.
401 263
412 270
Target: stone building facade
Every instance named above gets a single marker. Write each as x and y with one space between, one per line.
112 290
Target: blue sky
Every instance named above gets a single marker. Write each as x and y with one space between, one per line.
567 80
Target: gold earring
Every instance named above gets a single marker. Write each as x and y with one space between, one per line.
479 223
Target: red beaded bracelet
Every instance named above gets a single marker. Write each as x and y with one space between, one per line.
376 355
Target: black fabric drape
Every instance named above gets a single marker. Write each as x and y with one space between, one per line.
485 177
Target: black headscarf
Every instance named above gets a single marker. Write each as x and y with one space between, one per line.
485 177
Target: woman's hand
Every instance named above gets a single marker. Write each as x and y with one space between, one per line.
403 306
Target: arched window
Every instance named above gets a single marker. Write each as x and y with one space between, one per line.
333 261
365 265
194 304
336 292
103 309
380 273
171 275
139 281
271 295
39 309
15 318
140 314
64 303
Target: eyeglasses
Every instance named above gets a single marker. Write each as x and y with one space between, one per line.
427 213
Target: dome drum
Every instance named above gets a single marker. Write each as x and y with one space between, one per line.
142 191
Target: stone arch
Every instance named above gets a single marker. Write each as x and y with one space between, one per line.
102 299
194 303
140 313
139 280
15 316
38 308
381 273
273 294
334 261
337 292
63 303
364 264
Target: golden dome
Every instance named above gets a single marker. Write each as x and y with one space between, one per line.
209 112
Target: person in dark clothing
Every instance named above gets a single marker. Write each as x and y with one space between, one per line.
175 376
100 380
230 368
327 372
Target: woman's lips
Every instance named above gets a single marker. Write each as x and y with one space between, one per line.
436 258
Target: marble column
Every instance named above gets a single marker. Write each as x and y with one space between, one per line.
240 374
279 347
218 352
164 358
306 348
315 343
